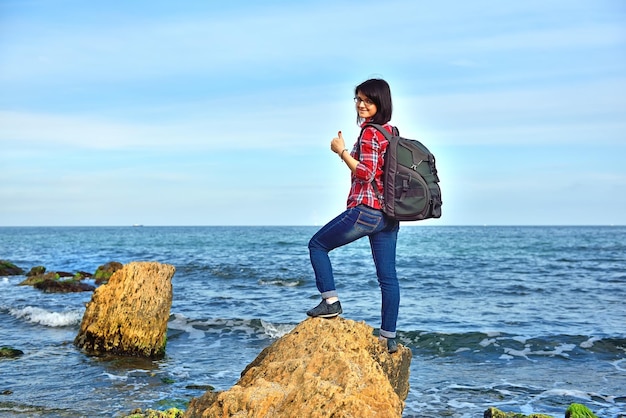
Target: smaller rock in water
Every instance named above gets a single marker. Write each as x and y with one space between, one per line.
105 271
577 410
8 352
128 315
9 269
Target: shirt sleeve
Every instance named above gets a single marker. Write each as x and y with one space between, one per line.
369 153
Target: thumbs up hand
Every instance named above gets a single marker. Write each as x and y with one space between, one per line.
337 144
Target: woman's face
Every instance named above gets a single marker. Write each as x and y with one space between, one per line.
364 106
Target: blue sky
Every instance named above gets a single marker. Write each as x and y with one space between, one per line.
221 113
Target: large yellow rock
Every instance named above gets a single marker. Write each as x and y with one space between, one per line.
129 314
323 368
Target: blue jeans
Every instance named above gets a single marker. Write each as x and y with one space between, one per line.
348 227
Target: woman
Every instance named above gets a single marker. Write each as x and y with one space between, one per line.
363 216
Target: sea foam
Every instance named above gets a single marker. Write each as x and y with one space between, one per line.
48 318
276 330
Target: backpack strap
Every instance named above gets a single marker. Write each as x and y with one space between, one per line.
382 130
379 128
387 136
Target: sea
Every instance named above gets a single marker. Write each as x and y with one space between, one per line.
527 319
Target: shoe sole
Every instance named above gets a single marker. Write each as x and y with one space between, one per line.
326 315
329 315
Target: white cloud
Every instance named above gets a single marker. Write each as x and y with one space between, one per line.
75 131
230 131
553 114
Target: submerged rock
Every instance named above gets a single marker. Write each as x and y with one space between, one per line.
105 271
33 279
323 368
129 314
496 413
80 275
574 411
63 286
36 271
577 410
152 413
9 269
52 282
8 352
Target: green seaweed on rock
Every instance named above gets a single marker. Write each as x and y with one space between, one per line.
577 410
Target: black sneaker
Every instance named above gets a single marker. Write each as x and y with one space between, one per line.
325 310
392 345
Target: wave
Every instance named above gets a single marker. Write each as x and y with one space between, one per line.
276 330
246 328
47 318
508 347
281 282
478 346
281 276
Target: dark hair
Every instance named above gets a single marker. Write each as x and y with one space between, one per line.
378 91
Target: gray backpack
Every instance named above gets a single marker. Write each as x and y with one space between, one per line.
411 189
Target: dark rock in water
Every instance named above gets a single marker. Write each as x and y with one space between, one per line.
129 314
577 410
200 387
34 279
322 368
152 413
51 282
36 271
574 411
105 271
80 275
496 413
9 269
63 286
8 352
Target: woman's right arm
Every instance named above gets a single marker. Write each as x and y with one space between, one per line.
338 146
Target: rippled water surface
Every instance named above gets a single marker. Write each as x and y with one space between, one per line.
527 319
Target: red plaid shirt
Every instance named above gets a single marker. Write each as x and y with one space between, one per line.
371 161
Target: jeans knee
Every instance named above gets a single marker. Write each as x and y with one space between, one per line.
389 283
